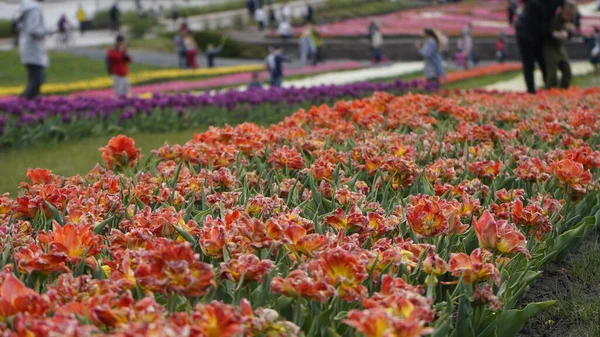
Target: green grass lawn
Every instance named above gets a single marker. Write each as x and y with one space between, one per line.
64 67
77 157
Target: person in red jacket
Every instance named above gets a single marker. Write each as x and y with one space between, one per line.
117 62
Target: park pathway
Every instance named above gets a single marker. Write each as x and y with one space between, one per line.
221 81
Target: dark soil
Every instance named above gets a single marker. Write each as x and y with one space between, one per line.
575 284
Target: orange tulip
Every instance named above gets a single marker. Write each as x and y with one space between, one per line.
120 152
15 298
472 268
75 242
499 235
572 174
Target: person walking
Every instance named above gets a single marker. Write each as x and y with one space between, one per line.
286 12
310 14
555 55
32 50
275 62
318 43
595 53
501 48
115 18
512 11
191 49
306 46
251 6
530 29
272 18
429 50
468 46
260 16
63 29
118 60
82 19
212 51
181 51
376 44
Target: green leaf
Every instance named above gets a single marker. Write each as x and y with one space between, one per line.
55 213
341 315
100 227
185 235
464 324
510 322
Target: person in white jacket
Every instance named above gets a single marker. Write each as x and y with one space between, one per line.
32 49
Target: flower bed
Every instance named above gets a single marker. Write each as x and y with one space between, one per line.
386 216
134 78
488 19
27 122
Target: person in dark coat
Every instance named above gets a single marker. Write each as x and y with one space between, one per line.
531 29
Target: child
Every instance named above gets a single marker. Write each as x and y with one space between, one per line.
555 55
275 66
117 60
191 49
181 52
255 83
211 52
501 48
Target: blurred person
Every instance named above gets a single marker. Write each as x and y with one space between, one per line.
272 18
512 11
530 29
310 13
562 27
318 42
595 53
459 56
191 49
286 12
468 46
118 60
260 16
63 29
212 51
255 83
373 26
251 6
275 62
376 44
501 48
306 46
183 26
285 30
32 50
181 51
429 50
115 18
82 19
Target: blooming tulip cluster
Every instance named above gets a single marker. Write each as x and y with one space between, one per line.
54 118
384 216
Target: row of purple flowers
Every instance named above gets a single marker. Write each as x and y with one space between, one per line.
57 118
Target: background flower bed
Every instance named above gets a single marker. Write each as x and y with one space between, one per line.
23 123
385 216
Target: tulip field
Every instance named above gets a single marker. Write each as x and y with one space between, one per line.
403 216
